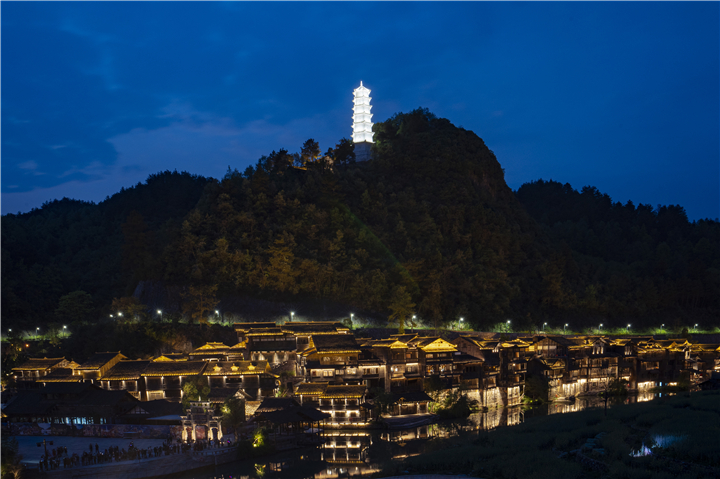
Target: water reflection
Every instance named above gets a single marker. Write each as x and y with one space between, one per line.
361 453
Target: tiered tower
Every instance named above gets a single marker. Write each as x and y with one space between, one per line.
362 124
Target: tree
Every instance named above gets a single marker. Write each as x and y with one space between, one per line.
137 240
129 307
195 388
536 388
401 306
75 306
310 151
11 458
431 304
233 414
345 152
382 400
197 300
281 274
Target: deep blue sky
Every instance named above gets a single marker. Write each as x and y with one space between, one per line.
621 96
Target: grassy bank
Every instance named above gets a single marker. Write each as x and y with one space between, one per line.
548 446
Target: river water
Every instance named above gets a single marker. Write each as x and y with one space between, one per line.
360 453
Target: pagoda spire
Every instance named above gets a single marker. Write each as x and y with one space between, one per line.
362 124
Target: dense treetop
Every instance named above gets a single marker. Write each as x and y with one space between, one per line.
428 222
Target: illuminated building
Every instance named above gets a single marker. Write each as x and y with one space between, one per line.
362 124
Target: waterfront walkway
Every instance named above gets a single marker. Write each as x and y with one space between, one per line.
150 466
75 445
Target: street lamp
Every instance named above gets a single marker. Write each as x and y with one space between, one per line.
65 330
662 327
599 328
627 330
696 327
544 324
508 325
112 316
352 315
412 327
37 332
292 314
159 311
120 314
565 328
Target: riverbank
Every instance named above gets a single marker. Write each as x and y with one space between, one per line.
577 444
146 467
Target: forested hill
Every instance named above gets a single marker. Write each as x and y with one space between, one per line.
428 226
627 260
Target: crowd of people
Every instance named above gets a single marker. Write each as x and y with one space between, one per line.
58 457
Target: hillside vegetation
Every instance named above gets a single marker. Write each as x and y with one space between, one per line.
428 227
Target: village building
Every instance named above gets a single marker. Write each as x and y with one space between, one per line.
61 375
304 330
332 358
270 344
253 378
159 412
126 375
202 422
241 329
165 379
69 404
97 365
342 402
31 371
210 352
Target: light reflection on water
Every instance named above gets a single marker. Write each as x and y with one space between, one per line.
360 453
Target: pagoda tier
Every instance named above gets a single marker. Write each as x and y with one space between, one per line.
362 118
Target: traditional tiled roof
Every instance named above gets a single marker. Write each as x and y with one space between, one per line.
293 414
220 395
275 404
126 370
403 337
157 408
34 364
311 389
98 360
343 391
391 343
239 346
61 375
45 400
335 343
28 403
314 327
411 396
236 368
211 348
704 347
249 326
553 363
172 357
265 332
438 345
101 397
174 368
562 341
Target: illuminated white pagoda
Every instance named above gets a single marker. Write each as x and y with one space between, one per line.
362 124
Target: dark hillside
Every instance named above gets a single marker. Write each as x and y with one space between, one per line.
632 261
70 245
428 227
430 221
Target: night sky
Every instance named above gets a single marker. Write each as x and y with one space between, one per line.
621 96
